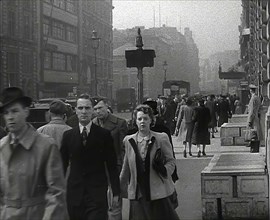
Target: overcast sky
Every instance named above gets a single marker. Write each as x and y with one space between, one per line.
214 23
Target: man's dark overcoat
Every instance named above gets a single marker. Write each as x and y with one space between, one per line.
224 112
87 163
201 118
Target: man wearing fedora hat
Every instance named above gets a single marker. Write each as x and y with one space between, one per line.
57 126
32 184
253 120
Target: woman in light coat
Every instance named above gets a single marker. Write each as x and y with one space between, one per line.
146 177
186 126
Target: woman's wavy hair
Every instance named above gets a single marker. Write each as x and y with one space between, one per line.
146 110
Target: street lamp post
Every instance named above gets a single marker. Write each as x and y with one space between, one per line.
95 45
165 70
140 58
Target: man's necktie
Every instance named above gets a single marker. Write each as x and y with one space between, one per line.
84 135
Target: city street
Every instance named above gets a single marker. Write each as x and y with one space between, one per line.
189 170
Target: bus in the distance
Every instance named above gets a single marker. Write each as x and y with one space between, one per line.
175 87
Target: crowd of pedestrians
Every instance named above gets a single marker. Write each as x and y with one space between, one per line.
80 168
194 120
73 172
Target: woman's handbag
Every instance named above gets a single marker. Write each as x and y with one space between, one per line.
251 134
158 163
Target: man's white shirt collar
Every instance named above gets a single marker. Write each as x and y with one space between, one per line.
88 127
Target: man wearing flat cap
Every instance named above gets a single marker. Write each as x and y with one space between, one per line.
253 120
57 126
32 184
118 128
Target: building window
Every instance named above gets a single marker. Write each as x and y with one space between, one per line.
12 69
71 63
27 27
58 30
47 60
11 23
46 27
59 61
27 63
71 6
11 62
71 33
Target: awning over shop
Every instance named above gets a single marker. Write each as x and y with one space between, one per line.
232 75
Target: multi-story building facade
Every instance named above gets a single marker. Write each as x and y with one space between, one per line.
254 42
170 46
56 58
96 15
209 73
58 47
18 45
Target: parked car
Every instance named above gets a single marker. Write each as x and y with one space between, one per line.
38 115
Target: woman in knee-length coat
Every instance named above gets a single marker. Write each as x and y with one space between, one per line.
146 177
201 135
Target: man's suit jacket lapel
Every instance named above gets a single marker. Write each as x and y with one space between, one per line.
78 137
92 136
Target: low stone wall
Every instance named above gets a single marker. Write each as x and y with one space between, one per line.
232 134
235 186
242 118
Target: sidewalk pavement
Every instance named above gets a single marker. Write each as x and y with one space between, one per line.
211 150
189 171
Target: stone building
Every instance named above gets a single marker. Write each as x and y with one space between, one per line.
178 50
209 73
47 48
254 43
18 33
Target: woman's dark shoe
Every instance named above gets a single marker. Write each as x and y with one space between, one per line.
185 153
203 153
190 154
199 154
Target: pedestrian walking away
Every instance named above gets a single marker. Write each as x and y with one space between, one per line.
89 150
201 135
146 174
57 125
118 128
185 126
223 111
32 184
211 105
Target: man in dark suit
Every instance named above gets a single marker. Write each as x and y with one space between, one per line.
223 111
88 149
118 128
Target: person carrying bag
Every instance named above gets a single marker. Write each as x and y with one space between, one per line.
147 171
